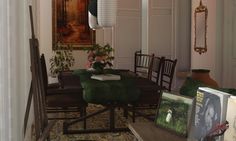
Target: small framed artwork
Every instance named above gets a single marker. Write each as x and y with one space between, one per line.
70 24
174 113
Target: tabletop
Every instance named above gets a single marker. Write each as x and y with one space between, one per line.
111 91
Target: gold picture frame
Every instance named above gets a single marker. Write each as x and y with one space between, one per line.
70 24
200 20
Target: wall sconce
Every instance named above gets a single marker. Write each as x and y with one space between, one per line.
200 17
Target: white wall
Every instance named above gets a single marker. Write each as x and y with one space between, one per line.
151 25
161 28
166 31
229 44
183 38
23 70
127 33
206 60
125 36
183 35
45 35
220 55
14 67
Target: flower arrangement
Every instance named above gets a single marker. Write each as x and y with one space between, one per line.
62 59
100 57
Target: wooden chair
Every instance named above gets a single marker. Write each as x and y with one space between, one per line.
45 76
167 73
150 90
161 73
151 87
160 78
156 68
142 64
67 98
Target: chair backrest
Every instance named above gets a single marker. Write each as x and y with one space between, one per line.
44 70
167 73
155 72
142 64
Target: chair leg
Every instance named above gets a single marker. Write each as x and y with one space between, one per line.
125 111
133 113
84 114
112 118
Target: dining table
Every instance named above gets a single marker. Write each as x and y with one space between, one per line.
110 94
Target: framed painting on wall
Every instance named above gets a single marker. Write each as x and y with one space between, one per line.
70 24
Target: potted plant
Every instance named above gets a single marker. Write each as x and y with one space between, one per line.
62 59
100 57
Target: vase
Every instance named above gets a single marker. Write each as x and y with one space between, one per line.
98 67
204 76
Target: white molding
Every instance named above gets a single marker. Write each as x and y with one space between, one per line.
126 17
227 43
129 7
219 42
174 25
145 26
153 5
161 12
233 77
161 8
126 9
173 36
234 32
129 14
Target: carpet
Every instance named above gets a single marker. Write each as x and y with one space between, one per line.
99 121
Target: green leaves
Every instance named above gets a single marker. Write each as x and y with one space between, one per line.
99 50
62 60
102 56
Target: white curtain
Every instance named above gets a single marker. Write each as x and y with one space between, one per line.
14 68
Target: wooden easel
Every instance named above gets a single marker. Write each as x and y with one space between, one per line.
37 92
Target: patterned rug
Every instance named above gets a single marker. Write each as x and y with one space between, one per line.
99 121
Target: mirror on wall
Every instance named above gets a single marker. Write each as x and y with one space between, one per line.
200 20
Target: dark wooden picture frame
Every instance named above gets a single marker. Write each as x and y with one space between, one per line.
70 24
180 108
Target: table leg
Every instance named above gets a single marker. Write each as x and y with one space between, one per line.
112 118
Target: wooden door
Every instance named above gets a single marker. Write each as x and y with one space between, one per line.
127 37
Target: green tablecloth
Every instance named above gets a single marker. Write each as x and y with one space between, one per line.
104 92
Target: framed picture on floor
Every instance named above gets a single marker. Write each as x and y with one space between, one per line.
211 108
70 24
174 113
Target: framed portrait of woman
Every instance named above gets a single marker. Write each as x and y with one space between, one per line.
210 112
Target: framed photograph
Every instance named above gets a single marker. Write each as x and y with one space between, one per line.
211 107
70 24
174 113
